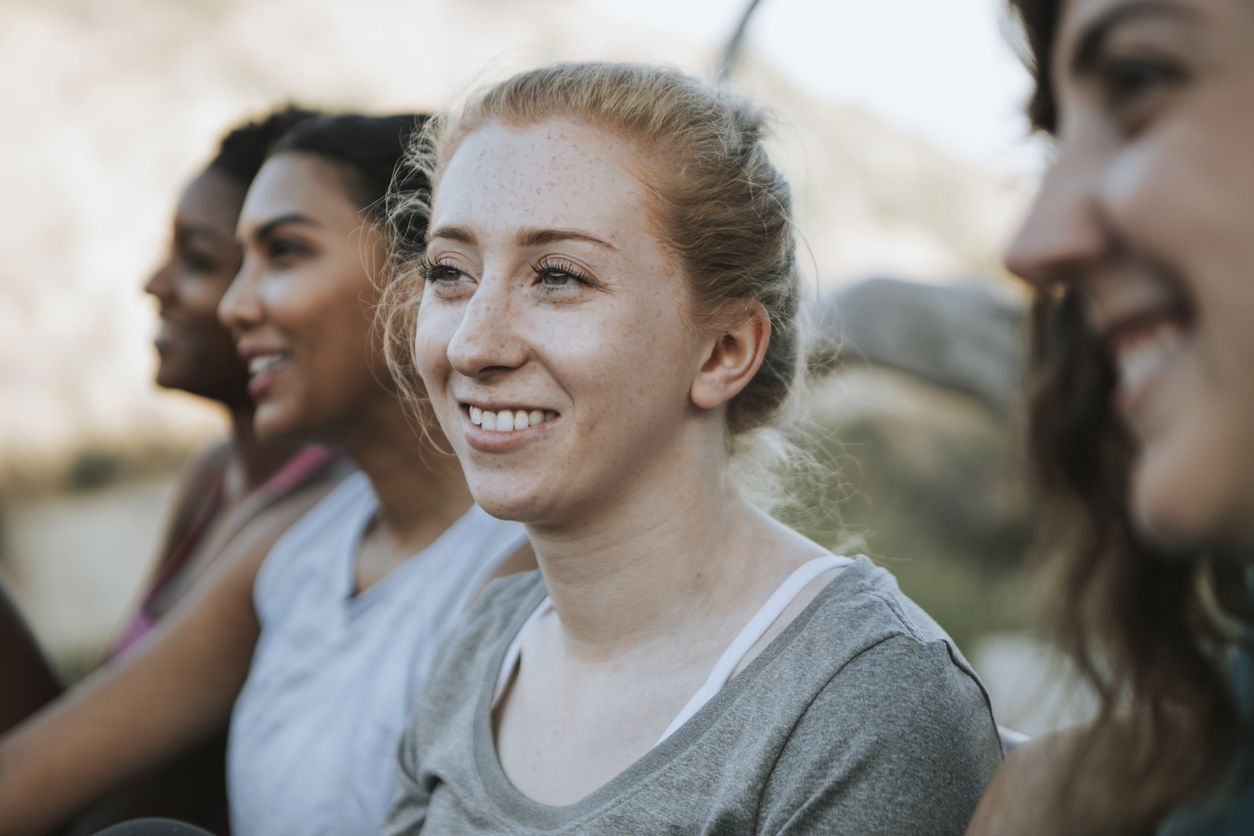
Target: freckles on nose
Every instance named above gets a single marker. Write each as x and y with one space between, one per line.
482 336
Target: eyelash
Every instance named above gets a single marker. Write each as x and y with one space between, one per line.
199 263
438 271
549 266
435 271
282 250
1127 83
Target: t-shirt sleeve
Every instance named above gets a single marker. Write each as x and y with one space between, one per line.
900 741
409 807
454 680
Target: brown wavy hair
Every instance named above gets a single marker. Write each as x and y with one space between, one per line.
1149 630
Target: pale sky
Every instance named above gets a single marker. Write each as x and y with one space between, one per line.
942 69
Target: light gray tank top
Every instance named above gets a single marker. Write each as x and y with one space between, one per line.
314 732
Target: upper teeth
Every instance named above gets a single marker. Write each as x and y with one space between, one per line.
508 420
257 365
1141 359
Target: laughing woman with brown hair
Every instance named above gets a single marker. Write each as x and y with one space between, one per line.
1140 247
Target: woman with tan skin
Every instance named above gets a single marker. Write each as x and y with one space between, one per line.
353 599
1139 246
245 483
608 311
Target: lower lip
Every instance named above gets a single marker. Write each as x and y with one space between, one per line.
166 336
490 441
1128 399
261 385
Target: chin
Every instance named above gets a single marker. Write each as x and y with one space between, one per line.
168 374
1179 514
515 506
272 424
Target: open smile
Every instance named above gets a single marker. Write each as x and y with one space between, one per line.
503 429
1145 346
507 419
264 370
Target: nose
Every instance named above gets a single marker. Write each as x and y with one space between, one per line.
488 338
160 284
241 308
1064 229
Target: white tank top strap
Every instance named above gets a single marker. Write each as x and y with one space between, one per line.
514 651
757 626
761 621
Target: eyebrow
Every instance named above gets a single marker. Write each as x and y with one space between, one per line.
185 231
1092 41
269 227
525 238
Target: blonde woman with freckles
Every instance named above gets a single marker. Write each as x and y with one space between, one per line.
607 319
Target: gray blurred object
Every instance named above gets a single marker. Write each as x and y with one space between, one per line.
964 337
731 52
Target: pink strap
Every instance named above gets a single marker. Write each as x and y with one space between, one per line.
287 478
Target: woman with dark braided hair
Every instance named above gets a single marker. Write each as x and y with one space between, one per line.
1140 249
240 494
244 483
317 650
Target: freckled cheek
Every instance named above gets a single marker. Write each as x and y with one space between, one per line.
619 371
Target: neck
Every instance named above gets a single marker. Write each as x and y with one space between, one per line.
417 486
662 561
253 461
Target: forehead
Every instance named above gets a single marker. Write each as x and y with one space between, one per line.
296 182
557 174
211 199
1080 20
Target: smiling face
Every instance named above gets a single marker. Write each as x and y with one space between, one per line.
1146 213
300 309
551 335
196 353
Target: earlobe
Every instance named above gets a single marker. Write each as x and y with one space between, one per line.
732 358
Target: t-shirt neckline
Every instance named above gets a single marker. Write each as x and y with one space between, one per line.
522 809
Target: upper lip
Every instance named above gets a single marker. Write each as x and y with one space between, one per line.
248 351
1117 310
498 404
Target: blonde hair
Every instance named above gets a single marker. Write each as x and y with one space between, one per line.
719 205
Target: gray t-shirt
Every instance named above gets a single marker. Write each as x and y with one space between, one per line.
861 717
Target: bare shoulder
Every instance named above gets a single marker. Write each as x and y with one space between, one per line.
246 549
199 477
1021 799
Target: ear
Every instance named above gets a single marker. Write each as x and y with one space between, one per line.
732 357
